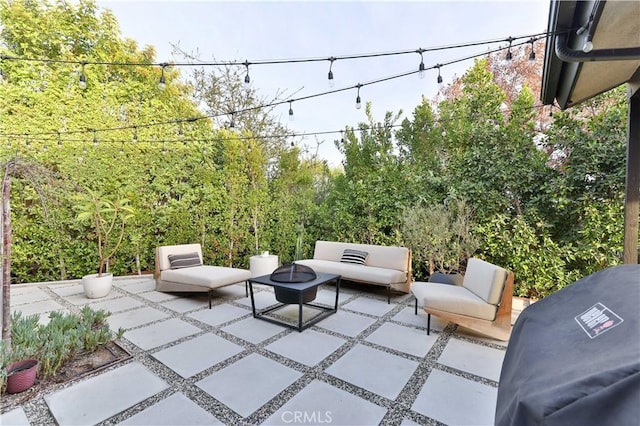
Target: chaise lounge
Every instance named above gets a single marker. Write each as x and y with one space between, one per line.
482 301
179 268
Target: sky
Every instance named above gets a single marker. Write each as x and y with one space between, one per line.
244 30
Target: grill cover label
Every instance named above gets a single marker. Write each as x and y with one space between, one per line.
597 320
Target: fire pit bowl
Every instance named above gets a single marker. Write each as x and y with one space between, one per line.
293 273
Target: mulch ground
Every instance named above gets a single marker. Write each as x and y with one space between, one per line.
84 363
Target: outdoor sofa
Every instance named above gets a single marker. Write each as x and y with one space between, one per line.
388 266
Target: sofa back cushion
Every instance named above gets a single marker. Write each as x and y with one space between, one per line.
485 280
381 256
163 252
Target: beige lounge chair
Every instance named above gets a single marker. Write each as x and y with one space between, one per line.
482 303
179 269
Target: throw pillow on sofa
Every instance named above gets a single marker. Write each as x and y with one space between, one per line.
354 256
187 260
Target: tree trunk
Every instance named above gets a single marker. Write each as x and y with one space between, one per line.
6 256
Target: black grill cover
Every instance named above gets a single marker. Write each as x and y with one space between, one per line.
574 357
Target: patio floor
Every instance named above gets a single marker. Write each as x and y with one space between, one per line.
370 363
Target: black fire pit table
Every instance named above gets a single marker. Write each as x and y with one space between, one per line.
288 293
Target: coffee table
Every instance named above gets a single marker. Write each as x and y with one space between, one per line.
298 290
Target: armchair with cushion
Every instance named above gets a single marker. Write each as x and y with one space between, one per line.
481 302
179 268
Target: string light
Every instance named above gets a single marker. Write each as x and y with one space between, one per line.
9 142
439 79
330 76
421 66
82 82
84 147
278 102
232 123
59 141
164 149
95 139
180 132
532 54
358 101
121 148
509 55
290 111
135 134
341 136
162 84
247 79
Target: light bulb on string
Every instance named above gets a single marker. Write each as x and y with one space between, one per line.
509 55
532 54
82 82
84 146
330 75
358 100
121 148
290 111
587 46
341 136
180 131
247 79
232 123
9 142
164 149
95 139
421 66
135 134
59 141
439 79
162 83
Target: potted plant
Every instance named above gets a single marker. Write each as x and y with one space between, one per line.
107 218
18 359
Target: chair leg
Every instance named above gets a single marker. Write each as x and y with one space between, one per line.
388 295
246 288
428 323
210 291
416 306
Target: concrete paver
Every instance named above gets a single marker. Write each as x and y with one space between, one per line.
198 354
174 410
321 403
249 383
346 323
101 397
370 306
455 400
379 372
307 348
475 359
161 333
403 339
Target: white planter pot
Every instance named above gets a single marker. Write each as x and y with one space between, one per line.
95 286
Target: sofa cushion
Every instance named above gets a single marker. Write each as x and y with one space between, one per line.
454 299
186 260
350 271
381 256
485 280
354 256
206 276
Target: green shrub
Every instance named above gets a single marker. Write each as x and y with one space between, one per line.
57 342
